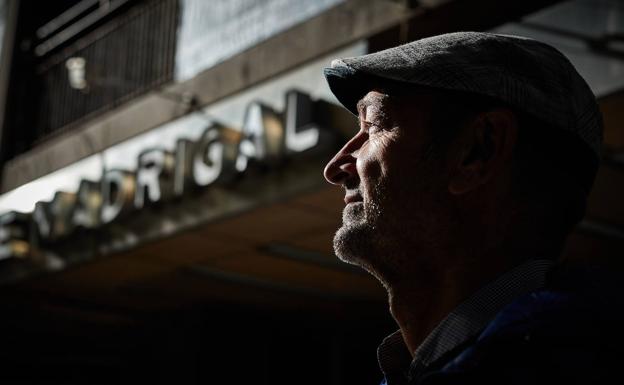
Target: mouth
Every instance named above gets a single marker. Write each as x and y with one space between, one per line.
352 197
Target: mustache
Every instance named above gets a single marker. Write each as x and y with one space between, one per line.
352 184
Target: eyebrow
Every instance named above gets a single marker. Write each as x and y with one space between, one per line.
365 102
361 105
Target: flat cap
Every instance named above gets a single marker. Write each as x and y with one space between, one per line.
524 73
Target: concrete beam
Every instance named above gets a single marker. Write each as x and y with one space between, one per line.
341 25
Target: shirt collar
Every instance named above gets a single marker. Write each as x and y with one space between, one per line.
465 321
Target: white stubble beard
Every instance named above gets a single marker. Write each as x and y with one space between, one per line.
357 241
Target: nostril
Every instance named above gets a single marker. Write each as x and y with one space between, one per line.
332 172
337 172
348 168
343 165
339 177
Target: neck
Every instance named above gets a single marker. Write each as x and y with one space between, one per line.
439 279
419 305
422 298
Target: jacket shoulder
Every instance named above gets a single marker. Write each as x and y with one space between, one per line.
570 331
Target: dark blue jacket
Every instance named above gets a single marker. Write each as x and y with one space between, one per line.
570 332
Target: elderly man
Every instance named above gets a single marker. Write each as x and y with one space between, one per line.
472 164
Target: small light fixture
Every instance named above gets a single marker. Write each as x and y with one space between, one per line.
76 70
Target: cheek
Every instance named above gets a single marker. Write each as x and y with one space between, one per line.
370 163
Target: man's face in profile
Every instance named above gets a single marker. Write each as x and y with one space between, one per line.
392 181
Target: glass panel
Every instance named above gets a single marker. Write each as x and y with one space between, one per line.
212 31
588 33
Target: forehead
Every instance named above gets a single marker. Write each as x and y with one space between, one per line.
414 100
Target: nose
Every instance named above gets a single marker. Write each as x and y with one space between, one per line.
343 165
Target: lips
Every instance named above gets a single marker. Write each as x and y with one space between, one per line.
351 197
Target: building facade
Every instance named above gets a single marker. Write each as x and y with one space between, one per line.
163 216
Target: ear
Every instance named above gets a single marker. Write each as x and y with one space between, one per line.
483 149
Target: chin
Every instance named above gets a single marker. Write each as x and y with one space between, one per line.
345 245
351 237
357 248
358 242
354 244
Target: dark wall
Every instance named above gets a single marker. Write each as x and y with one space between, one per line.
228 344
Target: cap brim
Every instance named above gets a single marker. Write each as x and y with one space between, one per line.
350 85
347 85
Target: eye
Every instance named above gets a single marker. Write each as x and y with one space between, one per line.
369 127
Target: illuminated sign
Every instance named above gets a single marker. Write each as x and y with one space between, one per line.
221 153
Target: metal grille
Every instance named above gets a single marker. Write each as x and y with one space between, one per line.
127 56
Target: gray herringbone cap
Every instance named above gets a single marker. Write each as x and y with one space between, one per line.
524 73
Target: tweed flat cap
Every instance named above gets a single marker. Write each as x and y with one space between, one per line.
524 73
